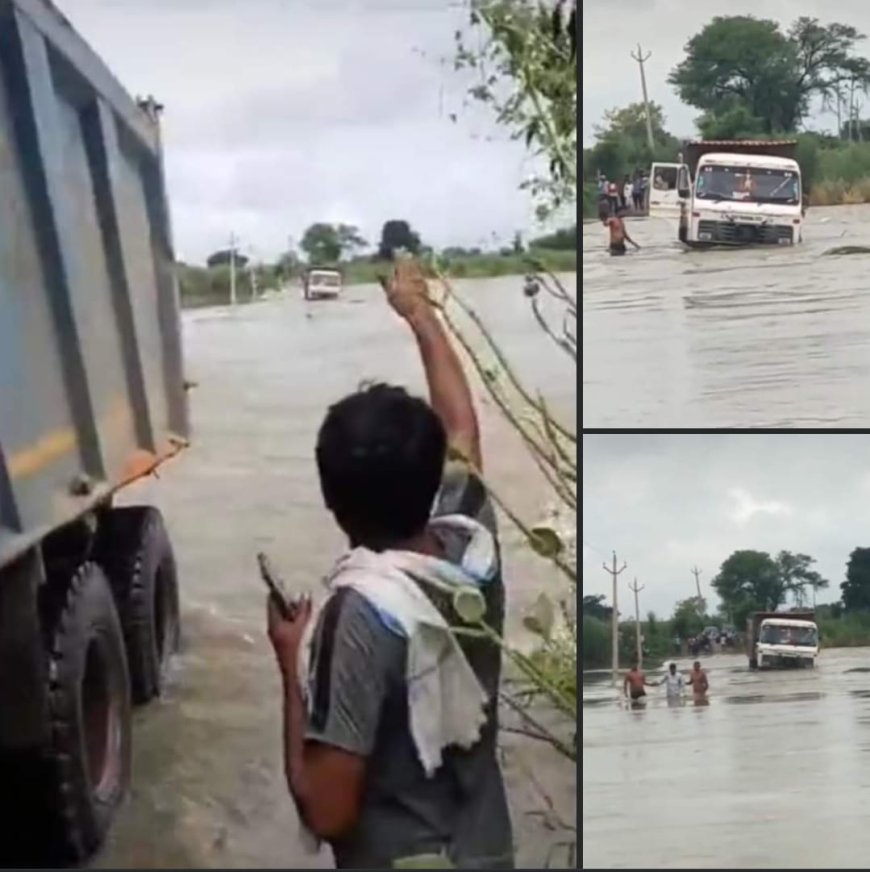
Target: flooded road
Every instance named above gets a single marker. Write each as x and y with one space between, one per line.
775 772
761 338
208 787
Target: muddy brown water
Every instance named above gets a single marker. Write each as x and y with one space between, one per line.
728 338
208 788
775 771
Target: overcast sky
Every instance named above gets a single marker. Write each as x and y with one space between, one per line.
280 113
612 28
668 503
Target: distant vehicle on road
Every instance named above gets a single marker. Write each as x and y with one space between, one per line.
781 639
321 283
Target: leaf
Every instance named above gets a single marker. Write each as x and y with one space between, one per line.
542 617
469 604
546 541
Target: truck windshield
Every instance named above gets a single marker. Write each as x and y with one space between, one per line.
775 635
327 280
748 184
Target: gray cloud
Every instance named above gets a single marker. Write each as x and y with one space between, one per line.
612 28
284 112
668 502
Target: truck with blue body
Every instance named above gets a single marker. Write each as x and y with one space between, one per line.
92 398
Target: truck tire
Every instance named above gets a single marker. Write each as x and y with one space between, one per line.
135 552
683 234
87 768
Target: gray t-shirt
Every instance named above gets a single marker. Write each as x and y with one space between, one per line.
360 705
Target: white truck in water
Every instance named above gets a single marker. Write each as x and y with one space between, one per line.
728 192
781 639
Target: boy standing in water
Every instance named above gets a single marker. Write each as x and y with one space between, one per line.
618 233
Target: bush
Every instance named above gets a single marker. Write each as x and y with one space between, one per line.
852 630
596 643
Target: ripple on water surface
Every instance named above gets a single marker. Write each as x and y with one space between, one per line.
727 338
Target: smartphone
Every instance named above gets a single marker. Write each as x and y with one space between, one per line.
285 604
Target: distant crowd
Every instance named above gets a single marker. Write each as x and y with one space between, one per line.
628 193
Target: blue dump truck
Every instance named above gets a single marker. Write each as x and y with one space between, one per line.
92 398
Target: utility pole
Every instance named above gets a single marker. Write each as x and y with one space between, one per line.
233 269
697 573
614 618
641 59
637 590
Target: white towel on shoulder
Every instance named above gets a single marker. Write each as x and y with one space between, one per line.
445 698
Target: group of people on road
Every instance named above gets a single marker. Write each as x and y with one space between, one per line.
625 194
675 683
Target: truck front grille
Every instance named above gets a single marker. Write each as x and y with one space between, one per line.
735 233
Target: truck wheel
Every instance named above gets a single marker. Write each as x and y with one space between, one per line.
88 760
135 552
683 234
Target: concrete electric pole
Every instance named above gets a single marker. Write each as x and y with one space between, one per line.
641 59
233 242
697 573
637 590
614 618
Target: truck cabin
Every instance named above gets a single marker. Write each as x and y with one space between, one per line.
761 180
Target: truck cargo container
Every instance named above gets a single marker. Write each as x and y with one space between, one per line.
92 398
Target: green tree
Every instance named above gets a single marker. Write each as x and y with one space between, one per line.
321 244
856 588
223 257
564 239
622 145
688 619
749 581
328 243
396 234
754 78
630 122
593 606
524 56
349 239
797 575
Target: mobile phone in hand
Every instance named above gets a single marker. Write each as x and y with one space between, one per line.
286 605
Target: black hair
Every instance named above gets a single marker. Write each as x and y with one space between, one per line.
380 455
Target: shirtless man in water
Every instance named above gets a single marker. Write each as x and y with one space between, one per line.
618 233
635 683
698 681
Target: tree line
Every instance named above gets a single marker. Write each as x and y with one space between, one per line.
747 581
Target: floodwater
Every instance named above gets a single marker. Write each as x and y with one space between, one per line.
774 772
764 337
208 786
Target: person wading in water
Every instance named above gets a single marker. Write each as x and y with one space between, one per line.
618 233
635 683
699 683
